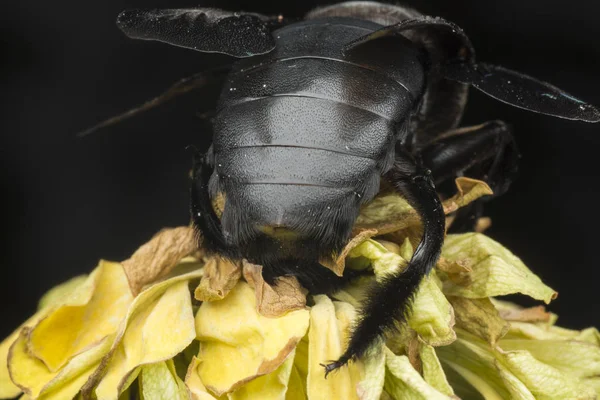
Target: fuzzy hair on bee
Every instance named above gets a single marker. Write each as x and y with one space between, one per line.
314 113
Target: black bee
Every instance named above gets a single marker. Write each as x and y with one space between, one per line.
314 113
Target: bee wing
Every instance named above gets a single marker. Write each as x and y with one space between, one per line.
522 91
206 30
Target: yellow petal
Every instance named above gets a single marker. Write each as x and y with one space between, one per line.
432 370
51 298
296 386
159 325
159 256
327 338
272 386
479 317
92 312
274 301
432 316
60 292
496 271
237 344
160 381
403 382
192 380
220 276
381 259
35 379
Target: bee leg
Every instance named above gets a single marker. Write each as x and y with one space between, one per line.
388 302
487 152
204 217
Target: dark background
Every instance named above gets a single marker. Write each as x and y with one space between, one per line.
68 202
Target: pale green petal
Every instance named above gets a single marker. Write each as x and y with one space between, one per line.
432 369
495 270
57 293
432 315
475 363
518 390
403 382
159 381
544 381
371 387
572 358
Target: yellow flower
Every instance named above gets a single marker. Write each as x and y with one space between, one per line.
170 323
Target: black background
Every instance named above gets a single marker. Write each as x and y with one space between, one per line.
68 202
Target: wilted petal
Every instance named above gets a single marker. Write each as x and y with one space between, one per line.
390 212
60 292
160 381
403 382
479 317
220 276
496 271
327 338
338 264
237 344
159 256
274 301
92 312
159 325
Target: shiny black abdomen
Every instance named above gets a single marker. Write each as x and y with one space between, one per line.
306 128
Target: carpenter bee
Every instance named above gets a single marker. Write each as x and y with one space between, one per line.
314 113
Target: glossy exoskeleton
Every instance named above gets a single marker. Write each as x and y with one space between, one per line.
314 113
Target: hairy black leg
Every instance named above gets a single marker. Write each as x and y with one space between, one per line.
388 302
487 152
203 215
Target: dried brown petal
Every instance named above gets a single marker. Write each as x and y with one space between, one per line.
220 276
459 272
532 314
274 301
159 256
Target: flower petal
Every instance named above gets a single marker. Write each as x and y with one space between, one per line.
237 344
432 316
192 380
573 358
60 292
495 270
390 212
479 317
220 276
159 256
160 381
36 379
371 386
327 336
159 325
544 381
403 382
432 369
272 386
92 312
274 301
